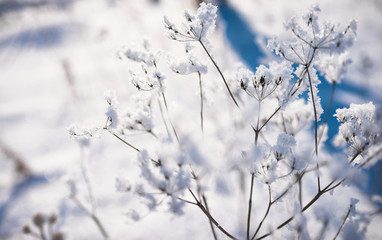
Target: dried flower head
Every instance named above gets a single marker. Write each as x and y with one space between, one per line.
26 229
39 219
52 218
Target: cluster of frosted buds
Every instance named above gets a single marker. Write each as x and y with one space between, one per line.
311 41
111 113
137 118
149 78
39 221
270 163
266 81
358 128
194 27
310 35
333 66
84 134
187 66
165 180
171 177
296 116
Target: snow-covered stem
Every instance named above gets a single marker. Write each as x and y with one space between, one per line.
343 222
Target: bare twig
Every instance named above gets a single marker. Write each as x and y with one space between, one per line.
201 101
204 210
343 222
20 164
250 206
270 203
122 140
211 224
91 215
220 72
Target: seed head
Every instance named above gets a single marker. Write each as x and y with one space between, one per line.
39 220
26 229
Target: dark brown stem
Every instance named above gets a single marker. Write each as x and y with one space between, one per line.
250 206
308 205
300 192
205 211
315 113
211 224
266 122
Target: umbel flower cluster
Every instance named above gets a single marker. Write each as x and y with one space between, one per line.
275 142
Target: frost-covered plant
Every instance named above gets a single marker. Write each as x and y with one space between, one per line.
282 156
359 129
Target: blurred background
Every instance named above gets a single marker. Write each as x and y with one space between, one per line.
57 57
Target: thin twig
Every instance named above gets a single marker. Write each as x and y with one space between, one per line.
250 206
163 119
204 210
172 125
122 140
266 122
201 101
300 192
343 222
315 113
211 224
220 72
270 203
92 216
85 175
157 162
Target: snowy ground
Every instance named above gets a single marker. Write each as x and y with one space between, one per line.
56 62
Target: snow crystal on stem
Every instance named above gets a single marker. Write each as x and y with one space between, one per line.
84 134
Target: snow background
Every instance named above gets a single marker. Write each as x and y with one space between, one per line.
57 59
